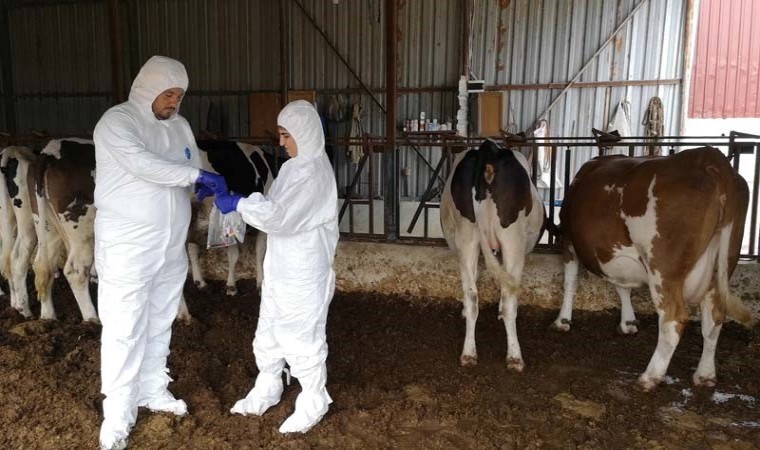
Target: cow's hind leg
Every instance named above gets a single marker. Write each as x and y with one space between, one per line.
193 252
20 259
183 314
233 254
628 322
77 272
45 268
564 320
513 262
261 248
668 300
705 373
469 252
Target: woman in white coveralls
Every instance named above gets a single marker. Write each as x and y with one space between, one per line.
146 158
299 215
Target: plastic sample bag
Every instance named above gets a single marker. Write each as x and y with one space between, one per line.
225 229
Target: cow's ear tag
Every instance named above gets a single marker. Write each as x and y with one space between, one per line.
489 173
187 153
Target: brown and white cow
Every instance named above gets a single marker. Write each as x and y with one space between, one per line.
490 205
19 240
64 219
247 169
671 223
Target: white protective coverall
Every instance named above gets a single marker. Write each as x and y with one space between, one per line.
144 167
299 215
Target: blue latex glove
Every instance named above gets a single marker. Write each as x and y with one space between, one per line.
202 191
214 182
227 202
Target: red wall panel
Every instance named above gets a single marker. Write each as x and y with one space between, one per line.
726 77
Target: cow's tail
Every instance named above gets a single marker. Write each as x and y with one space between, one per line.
734 307
42 264
731 218
504 278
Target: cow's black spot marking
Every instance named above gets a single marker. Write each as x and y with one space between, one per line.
229 161
509 186
9 171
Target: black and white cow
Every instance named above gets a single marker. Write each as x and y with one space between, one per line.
489 206
7 227
60 184
64 217
247 169
18 165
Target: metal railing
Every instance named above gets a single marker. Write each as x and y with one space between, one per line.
424 160
548 158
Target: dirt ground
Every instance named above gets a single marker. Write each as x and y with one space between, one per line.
395 379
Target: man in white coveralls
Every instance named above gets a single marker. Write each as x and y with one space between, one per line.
146 158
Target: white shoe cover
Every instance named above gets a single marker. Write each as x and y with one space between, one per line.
298 423
120 444
265 394
113 436
165 402
310 408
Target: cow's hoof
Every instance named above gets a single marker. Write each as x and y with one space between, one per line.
515 364
200 284
629 328
185 319
561 325
231 291
468 360
26 312
704 380
647 383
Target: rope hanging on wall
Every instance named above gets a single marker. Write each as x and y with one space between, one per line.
356 152
654 122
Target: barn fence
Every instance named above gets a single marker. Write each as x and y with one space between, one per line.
423 160
412 217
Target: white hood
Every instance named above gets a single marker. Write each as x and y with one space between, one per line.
302 121
158 74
